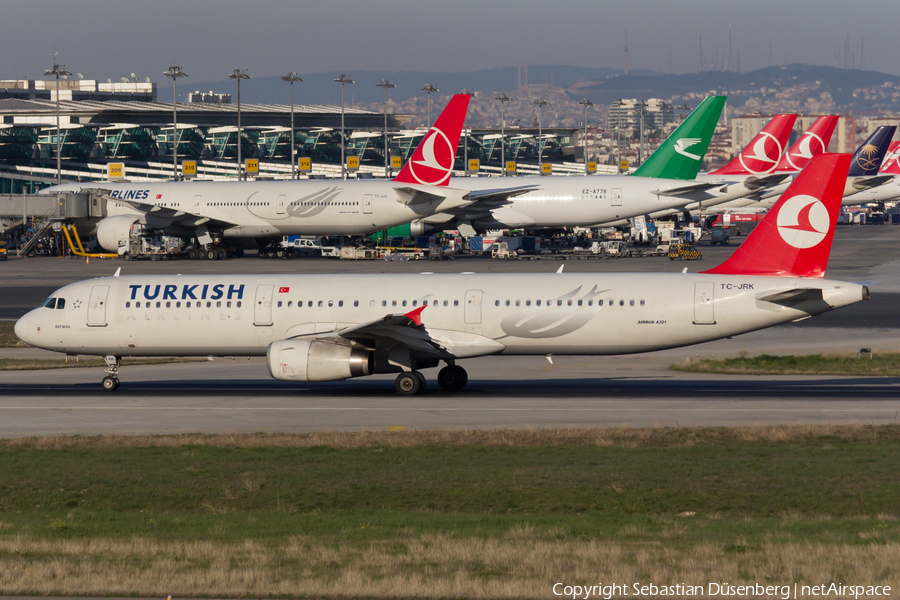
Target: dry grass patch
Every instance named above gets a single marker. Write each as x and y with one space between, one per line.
623 437
32 364
8 337
425 566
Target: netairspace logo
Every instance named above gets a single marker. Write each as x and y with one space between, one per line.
785 592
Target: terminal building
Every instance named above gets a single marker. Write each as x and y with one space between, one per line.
123 122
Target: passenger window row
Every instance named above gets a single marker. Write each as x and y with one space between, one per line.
188 304
569 302
372 303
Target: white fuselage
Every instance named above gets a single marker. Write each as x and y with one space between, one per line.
467 314
275 208
580 200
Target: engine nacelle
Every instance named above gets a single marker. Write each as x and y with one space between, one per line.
418 227
113 229
314 360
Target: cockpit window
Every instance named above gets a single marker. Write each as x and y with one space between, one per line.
60 304
50 303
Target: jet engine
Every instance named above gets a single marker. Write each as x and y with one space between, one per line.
315 360
417 227
113 229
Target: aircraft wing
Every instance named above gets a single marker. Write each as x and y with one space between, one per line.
403 329
162 212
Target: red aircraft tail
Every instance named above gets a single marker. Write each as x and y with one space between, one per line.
432 162
762 154
794 239
813 142
891 164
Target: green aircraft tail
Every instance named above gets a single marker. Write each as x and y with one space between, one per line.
679 157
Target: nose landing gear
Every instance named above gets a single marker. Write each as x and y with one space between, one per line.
110 383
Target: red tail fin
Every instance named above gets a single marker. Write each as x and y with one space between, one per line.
762 154
432 162
813 142
794 239
891 164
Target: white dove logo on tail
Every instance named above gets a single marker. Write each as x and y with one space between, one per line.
683 144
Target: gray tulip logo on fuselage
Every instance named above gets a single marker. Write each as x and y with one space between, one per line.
313 204
556 320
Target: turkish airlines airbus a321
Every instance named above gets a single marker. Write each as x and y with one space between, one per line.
332 327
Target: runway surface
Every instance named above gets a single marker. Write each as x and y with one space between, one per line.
224 396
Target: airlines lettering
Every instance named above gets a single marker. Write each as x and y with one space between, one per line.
737 286
188 292
130 194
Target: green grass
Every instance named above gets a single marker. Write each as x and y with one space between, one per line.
517 509
880 365
811 477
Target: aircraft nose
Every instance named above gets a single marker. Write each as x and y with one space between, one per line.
21 329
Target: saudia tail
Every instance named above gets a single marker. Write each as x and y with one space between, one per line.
794 239
432 161
762 154
813 142
891 164
679 157
868 158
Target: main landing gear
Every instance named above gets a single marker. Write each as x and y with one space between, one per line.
451 378
111 381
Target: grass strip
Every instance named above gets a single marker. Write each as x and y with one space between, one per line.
447 514
880 365
34 364
8 337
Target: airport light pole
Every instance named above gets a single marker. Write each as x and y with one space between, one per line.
585 103
292 78
503 98
239 74
541 103
466 138
343 79
57 70
429 88
174 73
384 84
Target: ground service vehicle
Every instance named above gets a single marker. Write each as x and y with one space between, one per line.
683 251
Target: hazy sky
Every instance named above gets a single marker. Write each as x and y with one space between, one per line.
210 38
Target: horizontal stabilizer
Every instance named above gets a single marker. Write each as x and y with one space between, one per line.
687 190
764 183
411 196
867 183
794 296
